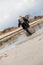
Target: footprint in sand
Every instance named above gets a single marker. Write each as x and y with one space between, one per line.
5 55
40 38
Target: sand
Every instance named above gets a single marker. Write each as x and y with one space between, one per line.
29 52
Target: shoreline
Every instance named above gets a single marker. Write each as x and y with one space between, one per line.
30 52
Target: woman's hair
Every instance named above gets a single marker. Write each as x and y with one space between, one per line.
27 16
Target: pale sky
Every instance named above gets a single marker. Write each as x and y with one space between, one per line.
10 10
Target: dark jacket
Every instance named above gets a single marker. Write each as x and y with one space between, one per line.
24 24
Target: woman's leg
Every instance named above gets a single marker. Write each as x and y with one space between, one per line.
28 31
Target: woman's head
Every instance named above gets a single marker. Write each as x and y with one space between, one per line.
27 16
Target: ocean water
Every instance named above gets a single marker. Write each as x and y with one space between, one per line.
17 41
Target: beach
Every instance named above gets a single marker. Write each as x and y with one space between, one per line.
28 52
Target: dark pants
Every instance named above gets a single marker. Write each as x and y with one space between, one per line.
28 31
25 27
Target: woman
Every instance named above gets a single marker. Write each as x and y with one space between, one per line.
24 23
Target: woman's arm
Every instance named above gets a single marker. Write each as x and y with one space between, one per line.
19 23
